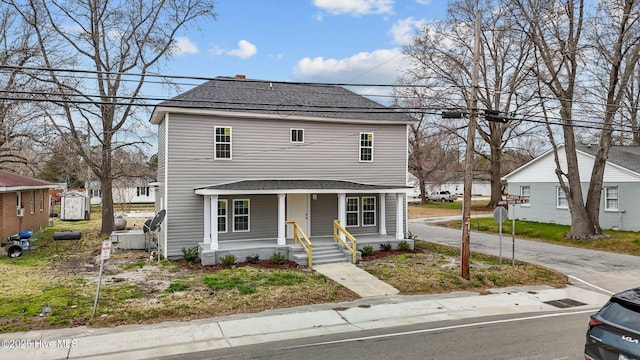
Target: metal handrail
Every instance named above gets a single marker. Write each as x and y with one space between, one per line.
304 240
337 228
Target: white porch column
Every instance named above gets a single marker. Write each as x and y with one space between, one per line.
342 212
399 216
282 227
207 220
213 216
383 214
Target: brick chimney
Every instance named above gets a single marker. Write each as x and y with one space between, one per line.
242 77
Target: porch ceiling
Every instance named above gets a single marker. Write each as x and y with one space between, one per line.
297 186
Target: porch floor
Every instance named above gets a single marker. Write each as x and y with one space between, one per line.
362 240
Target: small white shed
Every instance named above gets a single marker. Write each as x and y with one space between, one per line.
73 206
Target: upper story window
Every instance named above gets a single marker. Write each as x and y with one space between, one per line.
611 198
222 143
297 135
561 199
142 191
525 192
366 146
353 211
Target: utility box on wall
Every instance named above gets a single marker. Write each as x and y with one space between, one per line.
73 206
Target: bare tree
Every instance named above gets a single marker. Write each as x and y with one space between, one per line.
19 122
443 54
556 30
116 44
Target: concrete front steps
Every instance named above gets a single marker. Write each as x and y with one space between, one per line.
322 254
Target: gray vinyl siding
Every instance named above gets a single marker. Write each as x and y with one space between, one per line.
261 149
324 210
263 219
542 206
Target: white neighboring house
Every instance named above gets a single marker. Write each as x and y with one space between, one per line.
537 181
479 187
131 191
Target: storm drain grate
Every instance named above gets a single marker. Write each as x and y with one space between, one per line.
564 303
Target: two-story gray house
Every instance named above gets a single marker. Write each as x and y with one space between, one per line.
240 160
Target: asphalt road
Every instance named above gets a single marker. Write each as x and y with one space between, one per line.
537 336
596 270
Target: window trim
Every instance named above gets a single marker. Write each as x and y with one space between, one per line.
356 211
362 147
299 139
226 216
248 215
607 198
215 142
525 196
558 197
41 200
374 211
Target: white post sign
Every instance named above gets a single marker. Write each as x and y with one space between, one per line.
104 255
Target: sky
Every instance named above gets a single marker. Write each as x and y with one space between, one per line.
327 41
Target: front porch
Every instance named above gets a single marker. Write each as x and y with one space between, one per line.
295 252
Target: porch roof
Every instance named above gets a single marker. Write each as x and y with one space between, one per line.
297 186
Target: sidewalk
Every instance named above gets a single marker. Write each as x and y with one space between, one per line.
374 312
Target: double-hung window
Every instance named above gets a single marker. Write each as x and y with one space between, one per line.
297 135
368 211
525 193
222 142
32 202
241 215
222 215
611 198
41 200
142 191
561 199
366 147
353 211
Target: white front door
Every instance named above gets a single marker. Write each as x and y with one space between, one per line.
298 210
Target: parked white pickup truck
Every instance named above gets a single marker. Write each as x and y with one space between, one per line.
442 196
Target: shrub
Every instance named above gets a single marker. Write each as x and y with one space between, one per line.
228 260
253 259
404 246
190 254
177 286
277 258
385 246
367 250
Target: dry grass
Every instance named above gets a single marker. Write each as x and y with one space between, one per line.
63 275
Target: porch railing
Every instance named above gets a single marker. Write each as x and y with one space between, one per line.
337 229
300 237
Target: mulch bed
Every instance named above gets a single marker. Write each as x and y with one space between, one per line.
265 264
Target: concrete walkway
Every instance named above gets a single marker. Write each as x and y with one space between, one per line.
356 279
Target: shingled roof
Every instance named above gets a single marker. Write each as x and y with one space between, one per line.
621 155
284 99
10 181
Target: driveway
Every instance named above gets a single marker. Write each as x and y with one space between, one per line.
595 270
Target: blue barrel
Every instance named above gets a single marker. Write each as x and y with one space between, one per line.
25 234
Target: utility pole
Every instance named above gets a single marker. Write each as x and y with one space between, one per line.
468 167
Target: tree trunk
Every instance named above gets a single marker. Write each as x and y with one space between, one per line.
496 172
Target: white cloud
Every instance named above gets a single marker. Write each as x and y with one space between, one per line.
378 67
183 46
355 7
403 31
245 50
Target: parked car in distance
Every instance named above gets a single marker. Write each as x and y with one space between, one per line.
442 196
614 331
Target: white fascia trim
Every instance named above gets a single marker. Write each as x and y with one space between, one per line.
209 192
156 116
22 188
